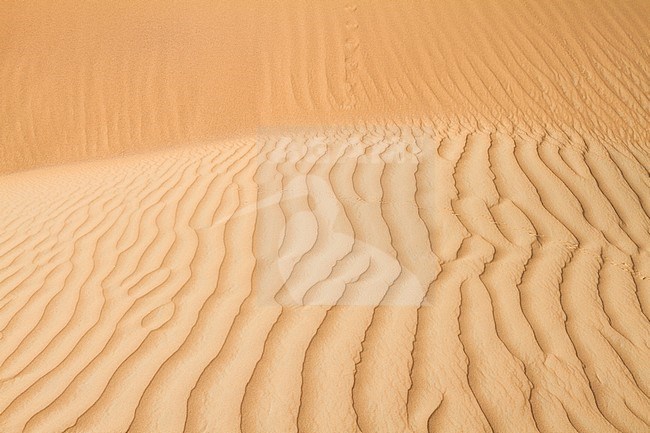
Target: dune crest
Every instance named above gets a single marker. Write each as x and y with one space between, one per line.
362 216
94 80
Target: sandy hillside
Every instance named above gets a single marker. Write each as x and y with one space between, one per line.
97 78
324 216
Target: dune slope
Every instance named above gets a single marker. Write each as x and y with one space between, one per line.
324 216
366 278
97 79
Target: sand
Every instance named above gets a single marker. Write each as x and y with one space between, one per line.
328 216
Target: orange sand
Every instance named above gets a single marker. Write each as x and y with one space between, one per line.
324 216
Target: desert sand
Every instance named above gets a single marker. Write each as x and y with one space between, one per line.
328 216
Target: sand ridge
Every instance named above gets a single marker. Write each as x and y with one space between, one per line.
93 80
324 216
531 312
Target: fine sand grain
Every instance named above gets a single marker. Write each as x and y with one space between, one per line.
327 216
97 78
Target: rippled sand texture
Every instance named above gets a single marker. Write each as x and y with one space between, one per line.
376 279
422 216
88 79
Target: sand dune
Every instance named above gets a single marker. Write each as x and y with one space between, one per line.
91 80
366 278
333 216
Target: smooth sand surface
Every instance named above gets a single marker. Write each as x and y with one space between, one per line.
291 216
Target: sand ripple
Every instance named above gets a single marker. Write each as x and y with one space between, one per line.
373 278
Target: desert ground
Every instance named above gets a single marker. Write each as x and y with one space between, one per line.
324 217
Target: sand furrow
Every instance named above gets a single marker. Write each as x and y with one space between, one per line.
397 277
325 216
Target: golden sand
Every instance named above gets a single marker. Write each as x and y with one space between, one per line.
326 216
